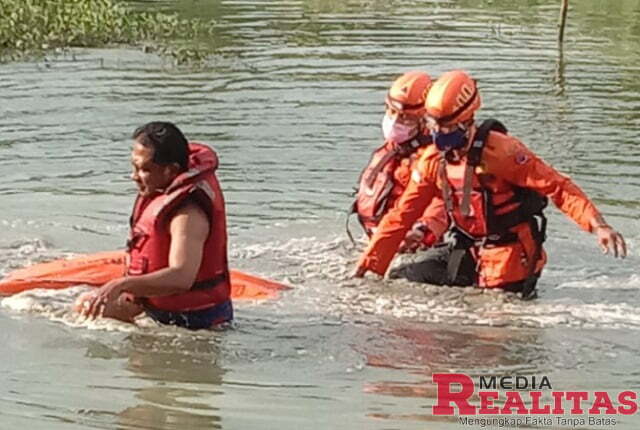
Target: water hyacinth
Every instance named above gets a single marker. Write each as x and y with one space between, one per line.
31 27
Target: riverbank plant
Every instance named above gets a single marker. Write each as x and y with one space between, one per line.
33 27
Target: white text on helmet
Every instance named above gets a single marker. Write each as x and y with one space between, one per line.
465 94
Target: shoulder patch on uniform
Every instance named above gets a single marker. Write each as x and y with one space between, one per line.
522 157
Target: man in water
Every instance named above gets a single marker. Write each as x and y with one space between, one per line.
177 271
494 189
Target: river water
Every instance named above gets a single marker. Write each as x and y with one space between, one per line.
292 101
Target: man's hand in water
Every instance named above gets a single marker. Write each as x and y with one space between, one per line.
94 304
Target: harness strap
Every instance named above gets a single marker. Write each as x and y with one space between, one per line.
460 244
210 283
454 263
474 156
466 190
539 233
446 189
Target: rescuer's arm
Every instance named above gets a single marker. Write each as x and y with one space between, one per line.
520 166
428 229
393 227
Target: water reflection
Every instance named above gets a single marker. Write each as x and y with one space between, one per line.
560 67
183 381
426 348
418 351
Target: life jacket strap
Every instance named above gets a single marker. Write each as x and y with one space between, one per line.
531 204
474 157
446 188
211 283
466 190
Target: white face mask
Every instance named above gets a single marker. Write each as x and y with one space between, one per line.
397 132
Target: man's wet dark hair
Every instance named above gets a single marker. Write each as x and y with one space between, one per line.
168 143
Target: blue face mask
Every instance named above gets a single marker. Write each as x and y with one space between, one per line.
447 141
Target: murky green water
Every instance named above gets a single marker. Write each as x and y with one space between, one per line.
292 103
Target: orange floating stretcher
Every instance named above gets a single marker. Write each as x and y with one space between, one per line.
99 268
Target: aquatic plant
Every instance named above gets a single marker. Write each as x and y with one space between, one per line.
32 27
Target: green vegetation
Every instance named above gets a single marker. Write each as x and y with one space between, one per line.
32 27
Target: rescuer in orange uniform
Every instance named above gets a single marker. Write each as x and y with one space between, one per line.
388 172
494 189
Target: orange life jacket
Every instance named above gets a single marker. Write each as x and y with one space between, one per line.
384 179
489 212
149 239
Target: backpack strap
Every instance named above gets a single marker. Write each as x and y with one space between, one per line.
474 157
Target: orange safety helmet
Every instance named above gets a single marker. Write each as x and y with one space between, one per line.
453 98
409 92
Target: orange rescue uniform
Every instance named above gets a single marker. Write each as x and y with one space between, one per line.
506 164
399 170
434 216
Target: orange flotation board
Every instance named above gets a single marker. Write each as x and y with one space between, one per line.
99 268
